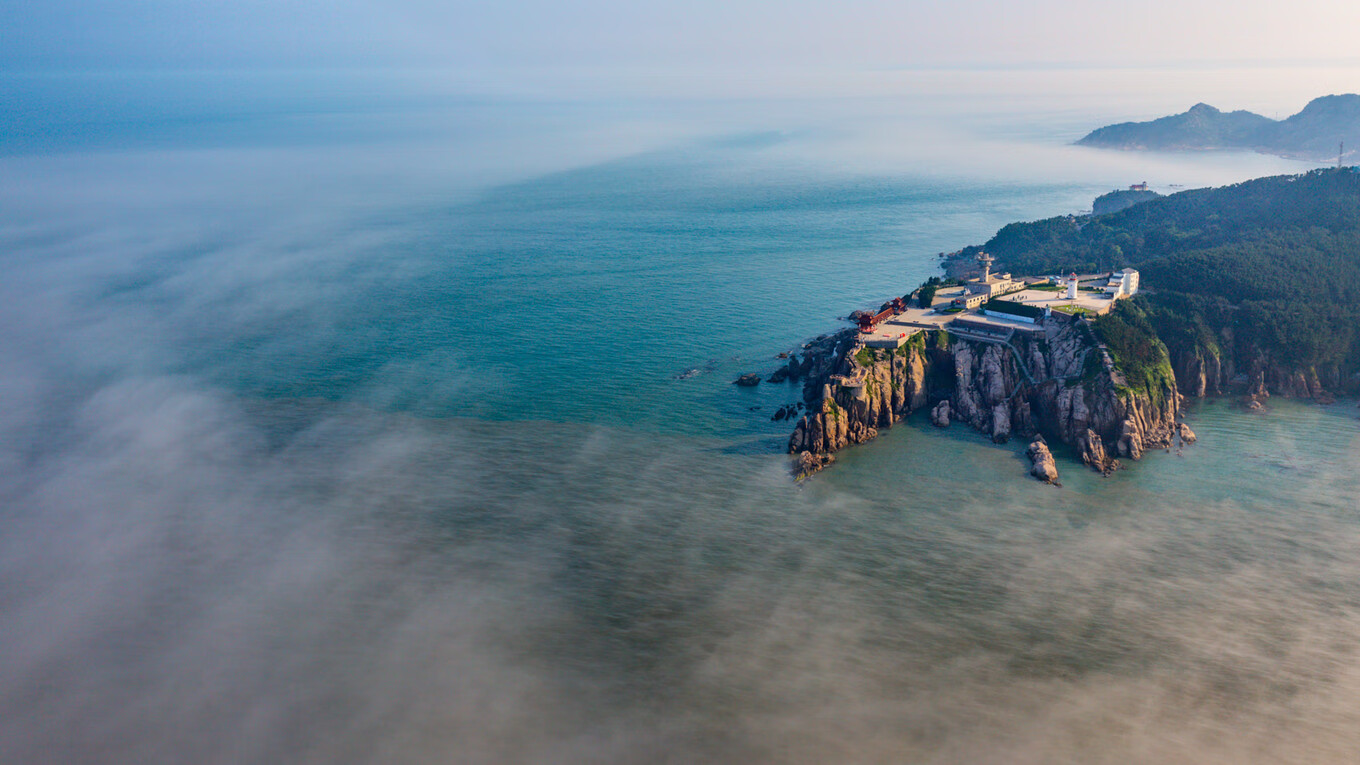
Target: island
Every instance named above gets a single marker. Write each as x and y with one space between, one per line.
1250 290
1318 132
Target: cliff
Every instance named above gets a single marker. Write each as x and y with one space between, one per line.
1203 371
1060 384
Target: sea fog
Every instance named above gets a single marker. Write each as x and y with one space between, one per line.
373 418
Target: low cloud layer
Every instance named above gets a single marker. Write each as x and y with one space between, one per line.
190 576
199 564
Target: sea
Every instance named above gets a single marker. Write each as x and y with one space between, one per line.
388 416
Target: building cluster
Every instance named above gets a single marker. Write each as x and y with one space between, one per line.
997 304
1122 284
985 287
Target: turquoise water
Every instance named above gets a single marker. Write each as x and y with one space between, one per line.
354 431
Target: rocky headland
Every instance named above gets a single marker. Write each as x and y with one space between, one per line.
1057 384
1252 292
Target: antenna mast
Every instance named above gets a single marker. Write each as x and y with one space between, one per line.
1340 152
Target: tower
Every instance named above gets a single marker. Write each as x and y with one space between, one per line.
986 261
1072 286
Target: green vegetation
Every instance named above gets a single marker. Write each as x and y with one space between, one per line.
1138 354
1047 286
1269 267
1013 308
1073 310
1092 366
925 294
916 341
866 356
1115 201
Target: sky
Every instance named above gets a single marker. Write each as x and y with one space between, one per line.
653 35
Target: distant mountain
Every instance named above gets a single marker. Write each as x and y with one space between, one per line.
1313 133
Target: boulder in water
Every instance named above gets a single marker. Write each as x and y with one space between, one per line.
1044 467
1092 449
807 463
1187 435
939 416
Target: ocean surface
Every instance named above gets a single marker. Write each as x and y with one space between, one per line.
362 417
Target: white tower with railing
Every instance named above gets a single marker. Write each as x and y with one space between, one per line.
986 261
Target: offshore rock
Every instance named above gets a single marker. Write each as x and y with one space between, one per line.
1092 450
939 416
1187 435
1043 466
807 463
779 375
748 380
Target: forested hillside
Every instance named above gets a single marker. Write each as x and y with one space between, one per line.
1260 279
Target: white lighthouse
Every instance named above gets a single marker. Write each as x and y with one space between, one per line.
1072 287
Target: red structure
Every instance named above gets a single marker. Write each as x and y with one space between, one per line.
867 321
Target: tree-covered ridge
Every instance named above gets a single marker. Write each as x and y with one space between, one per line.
1321 207
1202 127
1122 199
1265 270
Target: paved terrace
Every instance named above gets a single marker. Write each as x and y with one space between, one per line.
1094 302
894 332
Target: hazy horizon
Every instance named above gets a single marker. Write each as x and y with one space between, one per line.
758 34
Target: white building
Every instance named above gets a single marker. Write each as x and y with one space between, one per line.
1122 284
989 284
969 300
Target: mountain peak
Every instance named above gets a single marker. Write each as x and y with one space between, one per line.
1345 102
1316 132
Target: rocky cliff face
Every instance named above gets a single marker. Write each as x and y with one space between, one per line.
1202 372
1059 384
